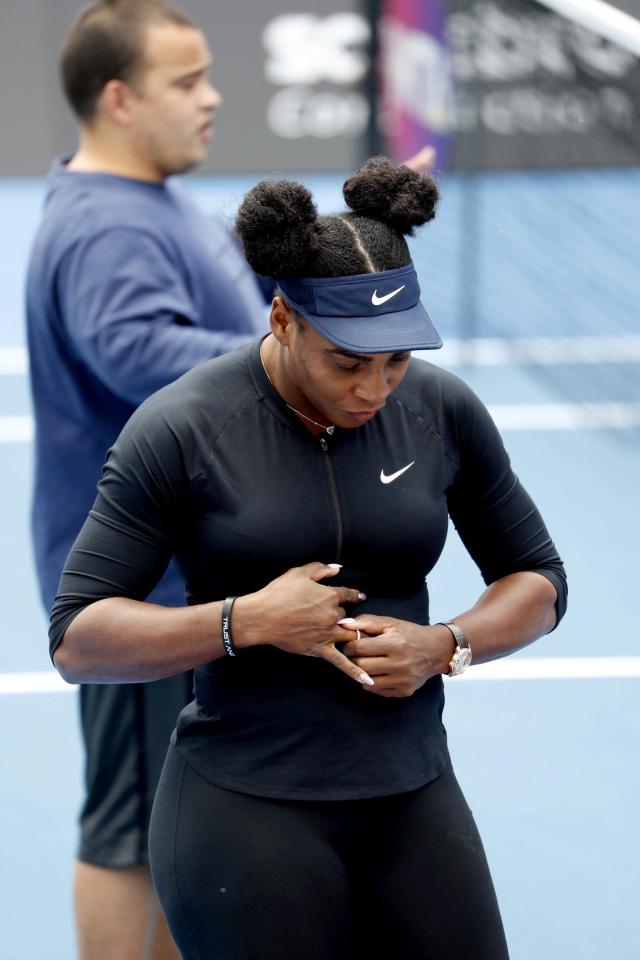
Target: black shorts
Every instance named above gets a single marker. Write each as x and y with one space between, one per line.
126 730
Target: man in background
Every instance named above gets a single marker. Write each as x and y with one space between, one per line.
129 286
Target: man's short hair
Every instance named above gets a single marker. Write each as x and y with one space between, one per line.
106 42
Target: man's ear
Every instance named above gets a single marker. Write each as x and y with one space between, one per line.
282 320
115 102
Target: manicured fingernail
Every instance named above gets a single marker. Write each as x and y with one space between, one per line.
365 678
335 566
362 596
348 620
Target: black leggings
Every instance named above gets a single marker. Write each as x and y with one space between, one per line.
245 878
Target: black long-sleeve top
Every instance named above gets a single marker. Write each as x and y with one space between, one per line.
216 471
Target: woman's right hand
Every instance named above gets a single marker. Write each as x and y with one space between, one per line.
298 614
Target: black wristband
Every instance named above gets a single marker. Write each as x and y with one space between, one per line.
226 627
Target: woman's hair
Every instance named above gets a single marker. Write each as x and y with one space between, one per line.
106 42
283 236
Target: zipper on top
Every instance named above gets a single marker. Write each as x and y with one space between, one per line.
334 495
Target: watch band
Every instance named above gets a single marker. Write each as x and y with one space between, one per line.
462 654
457 632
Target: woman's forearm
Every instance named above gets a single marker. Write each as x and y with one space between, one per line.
401 656
511 613
117 640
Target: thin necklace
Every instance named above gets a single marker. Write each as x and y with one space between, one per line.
328 429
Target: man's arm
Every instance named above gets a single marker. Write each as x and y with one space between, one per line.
130 316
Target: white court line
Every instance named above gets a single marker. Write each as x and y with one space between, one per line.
535 351
481 352
515 668
16 429
565 416
477 352
13 360
508 416
45 682
555 668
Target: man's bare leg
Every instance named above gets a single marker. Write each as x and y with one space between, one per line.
118 916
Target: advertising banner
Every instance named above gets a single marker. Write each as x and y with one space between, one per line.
504 84
293 76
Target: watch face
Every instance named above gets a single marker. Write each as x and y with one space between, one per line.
460 661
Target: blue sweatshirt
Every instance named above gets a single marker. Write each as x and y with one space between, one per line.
129 286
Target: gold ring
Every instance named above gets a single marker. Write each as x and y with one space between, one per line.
357 634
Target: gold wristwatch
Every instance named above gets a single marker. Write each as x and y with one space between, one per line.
462 654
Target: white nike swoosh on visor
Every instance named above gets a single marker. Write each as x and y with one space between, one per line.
377 301
394 476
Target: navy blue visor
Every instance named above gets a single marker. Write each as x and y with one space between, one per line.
365 313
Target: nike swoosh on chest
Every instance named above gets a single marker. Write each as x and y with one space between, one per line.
384 478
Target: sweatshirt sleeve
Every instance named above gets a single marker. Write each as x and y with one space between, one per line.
496 519
132 529
130 315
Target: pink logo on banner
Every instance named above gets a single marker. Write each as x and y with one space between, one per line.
416 86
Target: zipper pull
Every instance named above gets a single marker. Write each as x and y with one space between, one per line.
323 444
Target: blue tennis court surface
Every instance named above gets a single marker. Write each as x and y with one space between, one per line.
548 760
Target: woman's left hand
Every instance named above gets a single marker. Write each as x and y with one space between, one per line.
400 656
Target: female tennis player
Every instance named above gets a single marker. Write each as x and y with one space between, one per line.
308 807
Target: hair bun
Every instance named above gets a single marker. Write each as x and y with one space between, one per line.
278 225
396 195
